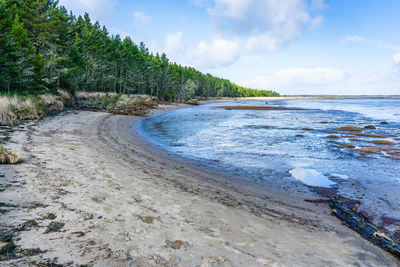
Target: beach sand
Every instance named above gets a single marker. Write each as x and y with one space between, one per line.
124 202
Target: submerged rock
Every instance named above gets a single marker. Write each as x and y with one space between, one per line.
384 122
299 135
307 129
370 127
348 128
343 145
382 142
369 150
372 135
332 136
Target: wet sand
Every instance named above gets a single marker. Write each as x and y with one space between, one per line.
121 201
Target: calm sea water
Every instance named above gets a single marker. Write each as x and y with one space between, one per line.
262 147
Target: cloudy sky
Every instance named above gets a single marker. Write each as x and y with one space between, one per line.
291 46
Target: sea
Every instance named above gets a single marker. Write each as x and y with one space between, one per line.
295 150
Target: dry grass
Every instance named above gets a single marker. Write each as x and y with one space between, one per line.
14 109
132 105
93 95
348 128
135 105
8 157
53 102
6 116
66 98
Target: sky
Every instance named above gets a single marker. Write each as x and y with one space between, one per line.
295 47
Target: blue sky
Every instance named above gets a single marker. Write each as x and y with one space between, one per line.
292 46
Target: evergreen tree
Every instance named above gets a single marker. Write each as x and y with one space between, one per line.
43 47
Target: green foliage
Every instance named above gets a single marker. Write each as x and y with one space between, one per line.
44 48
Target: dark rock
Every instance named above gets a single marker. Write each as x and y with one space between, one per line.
147 219
79 234
370 127
177 244
384 122
7 252
6 237
54 227
50 216
26 226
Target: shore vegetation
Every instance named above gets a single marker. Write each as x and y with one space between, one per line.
8 157
44 48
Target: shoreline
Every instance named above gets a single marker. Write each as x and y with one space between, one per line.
143 205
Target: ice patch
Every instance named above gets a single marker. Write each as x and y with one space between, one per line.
311 177
340 176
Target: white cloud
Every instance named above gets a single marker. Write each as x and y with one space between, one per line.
265 24
218 53
354 39
299 79
316 21
173 45
396 60
234 9
140 18
317 4
101 10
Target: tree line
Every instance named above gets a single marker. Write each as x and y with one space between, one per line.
43 47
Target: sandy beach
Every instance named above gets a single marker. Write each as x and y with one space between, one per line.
112 199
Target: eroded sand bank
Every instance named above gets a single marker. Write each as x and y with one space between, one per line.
124 202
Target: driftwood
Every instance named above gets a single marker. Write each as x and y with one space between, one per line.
358 222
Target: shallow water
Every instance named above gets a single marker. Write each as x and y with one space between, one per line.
264 146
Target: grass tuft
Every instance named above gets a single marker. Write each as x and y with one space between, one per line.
8 157
14 109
